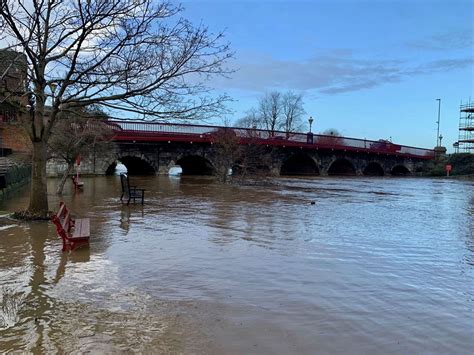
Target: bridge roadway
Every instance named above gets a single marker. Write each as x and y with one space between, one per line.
154 148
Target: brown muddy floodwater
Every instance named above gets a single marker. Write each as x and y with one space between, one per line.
375 266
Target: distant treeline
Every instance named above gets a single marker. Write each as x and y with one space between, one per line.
462 164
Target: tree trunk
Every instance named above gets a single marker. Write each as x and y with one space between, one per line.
39 193
64 177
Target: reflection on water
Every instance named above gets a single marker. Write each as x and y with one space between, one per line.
373 266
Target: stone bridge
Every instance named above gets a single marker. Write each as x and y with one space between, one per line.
146 148
200 159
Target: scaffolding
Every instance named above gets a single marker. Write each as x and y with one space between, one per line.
466 127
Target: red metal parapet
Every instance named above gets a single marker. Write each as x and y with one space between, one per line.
173 132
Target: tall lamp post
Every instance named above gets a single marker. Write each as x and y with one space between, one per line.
438 143
310 120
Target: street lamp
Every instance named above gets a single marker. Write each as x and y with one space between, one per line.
440 139
31 106
310 120
438 143
53 86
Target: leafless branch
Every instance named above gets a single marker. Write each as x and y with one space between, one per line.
125 55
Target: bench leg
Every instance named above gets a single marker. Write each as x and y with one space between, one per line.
65 246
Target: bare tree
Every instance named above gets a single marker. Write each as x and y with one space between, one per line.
270 110
275 111
331 132
227 152
254 159
241 152
83 134
330 136
292 111
250 120
127 55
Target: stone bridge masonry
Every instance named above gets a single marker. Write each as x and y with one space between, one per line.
144 158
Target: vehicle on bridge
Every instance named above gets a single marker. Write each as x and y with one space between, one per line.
386 146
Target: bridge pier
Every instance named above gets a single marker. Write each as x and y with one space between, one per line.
166 161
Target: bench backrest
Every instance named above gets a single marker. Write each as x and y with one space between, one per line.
125 183
62 220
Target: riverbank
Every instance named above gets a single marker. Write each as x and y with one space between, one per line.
462 165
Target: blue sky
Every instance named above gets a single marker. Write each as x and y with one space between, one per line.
370 69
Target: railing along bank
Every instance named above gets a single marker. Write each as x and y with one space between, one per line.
153 131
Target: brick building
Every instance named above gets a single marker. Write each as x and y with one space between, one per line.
13 99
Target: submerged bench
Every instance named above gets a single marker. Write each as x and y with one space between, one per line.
77 184
73 232
130 192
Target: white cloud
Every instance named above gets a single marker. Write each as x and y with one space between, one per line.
335 72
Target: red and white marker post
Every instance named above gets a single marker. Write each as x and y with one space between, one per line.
448 168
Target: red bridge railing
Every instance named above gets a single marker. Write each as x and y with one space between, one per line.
153 131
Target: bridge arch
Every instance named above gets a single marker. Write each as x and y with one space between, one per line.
299 164
135 166
195 165
373 169
400 170
342 167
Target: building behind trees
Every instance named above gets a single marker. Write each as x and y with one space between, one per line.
13 101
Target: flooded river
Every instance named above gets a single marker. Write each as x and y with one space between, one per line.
374 266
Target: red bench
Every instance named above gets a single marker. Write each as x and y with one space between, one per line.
73 232
77 184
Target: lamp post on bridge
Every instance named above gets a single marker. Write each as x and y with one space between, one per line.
309 136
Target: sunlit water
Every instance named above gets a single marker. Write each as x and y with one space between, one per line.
374 266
